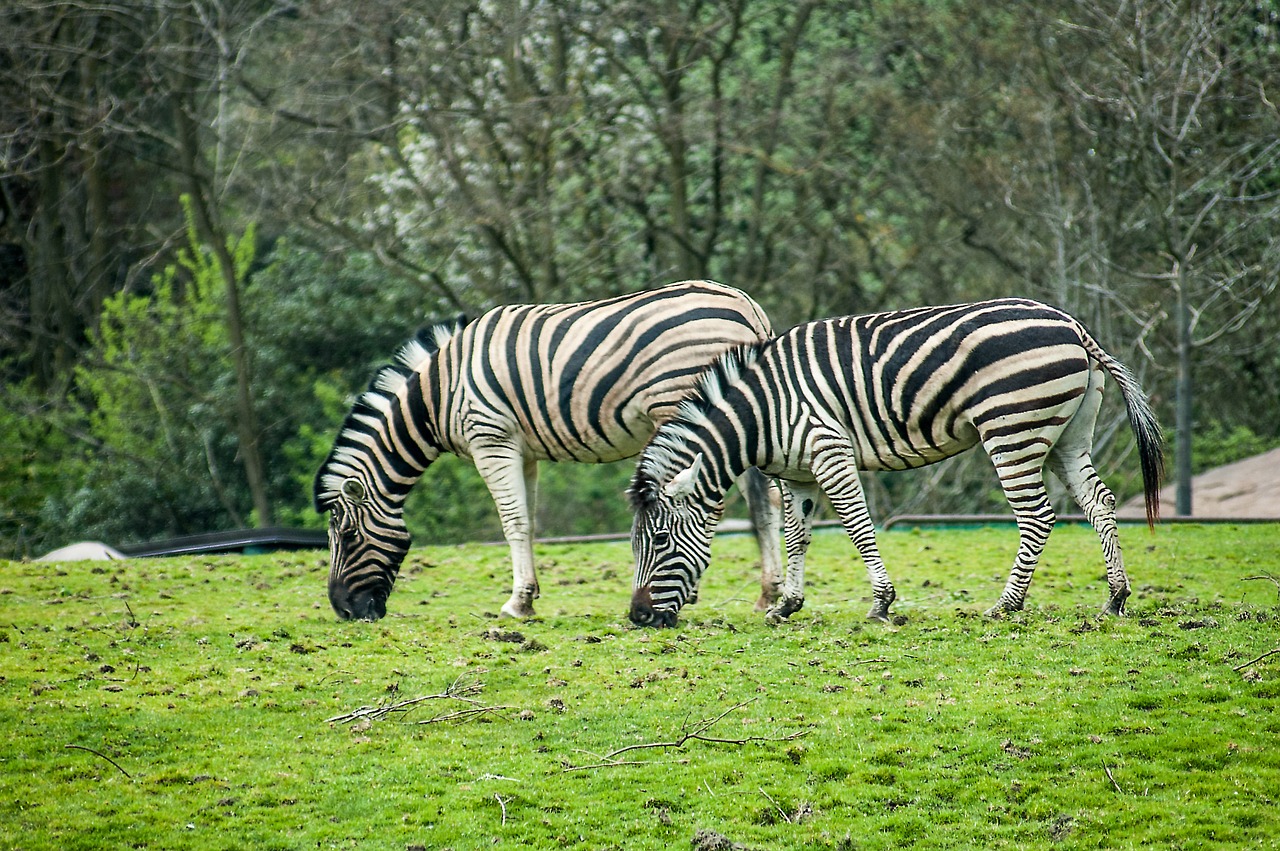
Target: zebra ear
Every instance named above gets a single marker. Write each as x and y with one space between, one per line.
353 489
681 484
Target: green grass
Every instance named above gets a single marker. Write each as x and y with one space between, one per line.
209 680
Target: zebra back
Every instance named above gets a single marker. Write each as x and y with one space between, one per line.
591 381
905 384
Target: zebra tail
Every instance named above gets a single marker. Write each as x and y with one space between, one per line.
1146 428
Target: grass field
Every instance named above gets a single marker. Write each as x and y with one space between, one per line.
213 702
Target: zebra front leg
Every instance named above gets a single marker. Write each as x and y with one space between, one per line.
800 504
837 471
512 481
764 500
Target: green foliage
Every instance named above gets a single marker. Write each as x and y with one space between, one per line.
451 504
159 388
1219 444
34 458
828 157
584 499
208 702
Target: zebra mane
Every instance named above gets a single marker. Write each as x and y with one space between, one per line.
373 407
714 382
643 490
669 445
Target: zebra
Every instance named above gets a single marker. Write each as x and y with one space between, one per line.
888 391
585 382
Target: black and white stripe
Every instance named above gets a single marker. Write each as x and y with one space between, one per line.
525 383
890 391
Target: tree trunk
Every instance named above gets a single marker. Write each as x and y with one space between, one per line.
1183 423
246 420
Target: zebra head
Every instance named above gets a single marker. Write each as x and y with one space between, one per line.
368 540
670 539
387 441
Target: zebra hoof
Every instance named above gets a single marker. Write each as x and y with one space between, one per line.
774 617
999 610
880 608
785 608
768 599
519 609
1115 606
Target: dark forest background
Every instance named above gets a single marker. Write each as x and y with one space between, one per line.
218 217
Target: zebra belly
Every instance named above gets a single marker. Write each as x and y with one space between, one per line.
600 451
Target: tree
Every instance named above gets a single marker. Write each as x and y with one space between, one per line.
1176 98
71 84
159 384
101 89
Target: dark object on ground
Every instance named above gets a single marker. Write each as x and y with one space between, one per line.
709 840
247 541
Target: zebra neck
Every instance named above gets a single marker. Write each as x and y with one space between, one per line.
722 464
401 444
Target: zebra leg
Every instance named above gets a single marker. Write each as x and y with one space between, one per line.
512 481
1072 463
800 503
1023 482
764 500
837 472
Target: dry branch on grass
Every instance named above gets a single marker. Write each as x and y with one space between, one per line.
695 733
1112 778
1268 577
1255 661
459 689
464 714
97 753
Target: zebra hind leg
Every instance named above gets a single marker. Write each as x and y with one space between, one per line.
1034 515
1076 471
764 500
800 506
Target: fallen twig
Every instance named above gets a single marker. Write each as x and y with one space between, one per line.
1259 659
618 762
781 811
463 714
1112 778
503 804
702 728
457 690
1267 576
320 681
696 734
104 756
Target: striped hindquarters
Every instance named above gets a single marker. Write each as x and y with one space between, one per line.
590 382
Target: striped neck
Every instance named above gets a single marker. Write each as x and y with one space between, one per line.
715 420
391 435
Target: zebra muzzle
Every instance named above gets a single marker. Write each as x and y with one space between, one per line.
364 605
643 612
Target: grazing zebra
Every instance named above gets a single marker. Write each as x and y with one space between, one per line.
890 391
565 382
